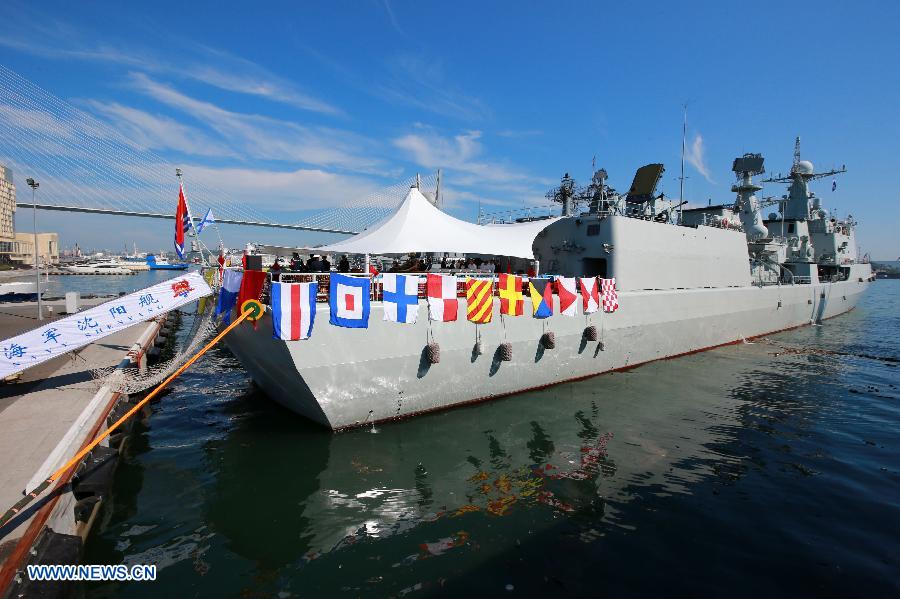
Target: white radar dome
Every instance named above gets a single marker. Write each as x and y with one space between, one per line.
805 167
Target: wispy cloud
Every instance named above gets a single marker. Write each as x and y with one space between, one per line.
460 152
391 17
236 74
297 190
471 176
414 81
265 138
158 132
207 65
519 133
411 81
696 157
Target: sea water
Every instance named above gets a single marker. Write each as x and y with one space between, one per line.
757 469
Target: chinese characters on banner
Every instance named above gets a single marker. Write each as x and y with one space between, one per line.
78 330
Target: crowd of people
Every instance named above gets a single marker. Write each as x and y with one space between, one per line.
315 263
415 263
319 263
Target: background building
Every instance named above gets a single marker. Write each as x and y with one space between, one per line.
7 215
18 248
48 248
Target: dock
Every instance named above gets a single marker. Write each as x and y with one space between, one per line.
46 416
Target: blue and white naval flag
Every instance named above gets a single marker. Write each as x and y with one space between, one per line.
349 301
401 298
293 310
231 285
206 220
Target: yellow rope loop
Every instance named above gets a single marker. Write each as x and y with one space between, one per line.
254 308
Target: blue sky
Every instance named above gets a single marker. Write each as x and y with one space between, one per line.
293 107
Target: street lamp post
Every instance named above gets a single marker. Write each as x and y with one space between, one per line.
37 270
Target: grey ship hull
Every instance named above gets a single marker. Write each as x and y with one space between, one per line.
350 377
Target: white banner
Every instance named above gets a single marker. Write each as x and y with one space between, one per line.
77 330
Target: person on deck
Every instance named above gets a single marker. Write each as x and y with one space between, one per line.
326 265
275 269
344 264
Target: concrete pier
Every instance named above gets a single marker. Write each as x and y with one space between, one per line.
46 416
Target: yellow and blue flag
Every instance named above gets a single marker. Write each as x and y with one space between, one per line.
541 292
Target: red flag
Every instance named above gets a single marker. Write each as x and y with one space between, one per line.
251 288
181 222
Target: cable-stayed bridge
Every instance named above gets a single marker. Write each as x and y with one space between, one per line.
85 165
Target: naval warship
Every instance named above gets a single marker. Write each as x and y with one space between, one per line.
688 279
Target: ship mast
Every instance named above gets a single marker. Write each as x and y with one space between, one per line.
681 179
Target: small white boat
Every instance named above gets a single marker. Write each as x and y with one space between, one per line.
18 291
106 267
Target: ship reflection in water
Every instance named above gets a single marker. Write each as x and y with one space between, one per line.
764 464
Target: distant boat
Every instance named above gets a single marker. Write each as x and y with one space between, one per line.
162 264
97 267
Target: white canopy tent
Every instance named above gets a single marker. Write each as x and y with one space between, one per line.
418 226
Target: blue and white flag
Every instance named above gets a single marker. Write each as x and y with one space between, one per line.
231 285
293 310
206 220
349 300
401 298
75 331
833 184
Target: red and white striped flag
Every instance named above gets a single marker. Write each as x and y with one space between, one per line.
442 302
293 310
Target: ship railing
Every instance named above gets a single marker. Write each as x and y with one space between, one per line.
517 214
722 223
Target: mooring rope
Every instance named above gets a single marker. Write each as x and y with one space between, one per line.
132 380
246 312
